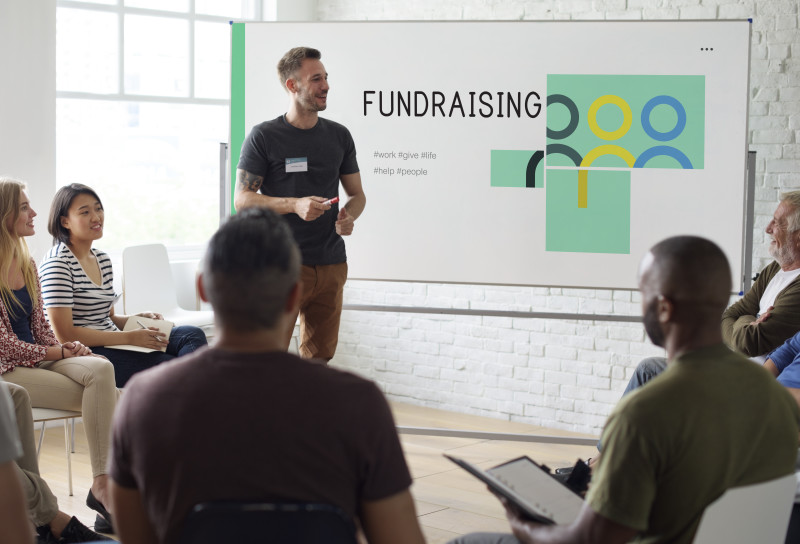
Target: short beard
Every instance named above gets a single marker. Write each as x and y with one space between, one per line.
651 325
784 255
311 104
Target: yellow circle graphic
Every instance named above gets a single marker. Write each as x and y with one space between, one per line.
627 117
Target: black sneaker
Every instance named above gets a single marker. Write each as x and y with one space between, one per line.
101 525
75 531
44 535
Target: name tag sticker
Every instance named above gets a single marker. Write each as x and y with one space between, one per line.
300 164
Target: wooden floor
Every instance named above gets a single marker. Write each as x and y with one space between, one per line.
450 502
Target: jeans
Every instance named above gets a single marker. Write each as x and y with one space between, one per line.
645 371
182 341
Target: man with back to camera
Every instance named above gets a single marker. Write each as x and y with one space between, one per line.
769 313
293 165
245 420
655 479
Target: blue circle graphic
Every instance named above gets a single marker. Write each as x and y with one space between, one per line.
667 101
666 151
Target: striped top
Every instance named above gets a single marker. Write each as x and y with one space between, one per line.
66 285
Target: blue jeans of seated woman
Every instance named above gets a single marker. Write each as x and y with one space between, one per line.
182 341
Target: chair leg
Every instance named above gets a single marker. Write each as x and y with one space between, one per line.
41 438
73 435
69 454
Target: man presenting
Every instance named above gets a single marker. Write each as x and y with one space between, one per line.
712 421
293 165
245 420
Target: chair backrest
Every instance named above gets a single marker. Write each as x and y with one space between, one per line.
757 513
244 522
147 283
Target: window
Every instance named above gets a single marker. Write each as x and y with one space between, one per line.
142 106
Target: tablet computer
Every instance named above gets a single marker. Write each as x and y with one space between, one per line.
535 492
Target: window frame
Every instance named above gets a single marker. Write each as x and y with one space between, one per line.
253 7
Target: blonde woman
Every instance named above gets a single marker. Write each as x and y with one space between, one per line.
56 375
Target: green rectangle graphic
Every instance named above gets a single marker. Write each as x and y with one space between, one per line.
517 168
603 227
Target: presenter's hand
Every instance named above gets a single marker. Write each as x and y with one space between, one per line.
75 349
151 315
310 208
147 338
344 223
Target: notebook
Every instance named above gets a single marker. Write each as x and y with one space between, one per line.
137 322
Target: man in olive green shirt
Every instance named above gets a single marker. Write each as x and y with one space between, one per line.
713 419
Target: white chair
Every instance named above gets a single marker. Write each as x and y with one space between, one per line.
43 415
147 285
748 514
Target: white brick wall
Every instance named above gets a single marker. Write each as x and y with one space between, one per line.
556 373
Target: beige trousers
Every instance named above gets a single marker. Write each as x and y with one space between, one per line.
42 504
84 384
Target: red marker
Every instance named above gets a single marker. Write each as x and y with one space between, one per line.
330 201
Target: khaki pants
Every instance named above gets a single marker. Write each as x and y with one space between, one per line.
84 384
42 504
320 310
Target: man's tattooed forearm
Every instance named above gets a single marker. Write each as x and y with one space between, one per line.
249 181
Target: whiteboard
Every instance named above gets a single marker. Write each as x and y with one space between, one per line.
523 153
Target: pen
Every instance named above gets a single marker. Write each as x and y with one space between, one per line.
330 201
156 336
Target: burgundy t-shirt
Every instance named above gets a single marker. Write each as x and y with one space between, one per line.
219 425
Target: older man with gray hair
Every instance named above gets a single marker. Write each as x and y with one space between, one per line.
769 313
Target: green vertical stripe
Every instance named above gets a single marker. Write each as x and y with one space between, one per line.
237 100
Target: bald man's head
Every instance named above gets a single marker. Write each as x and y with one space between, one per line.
693 274
689 268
